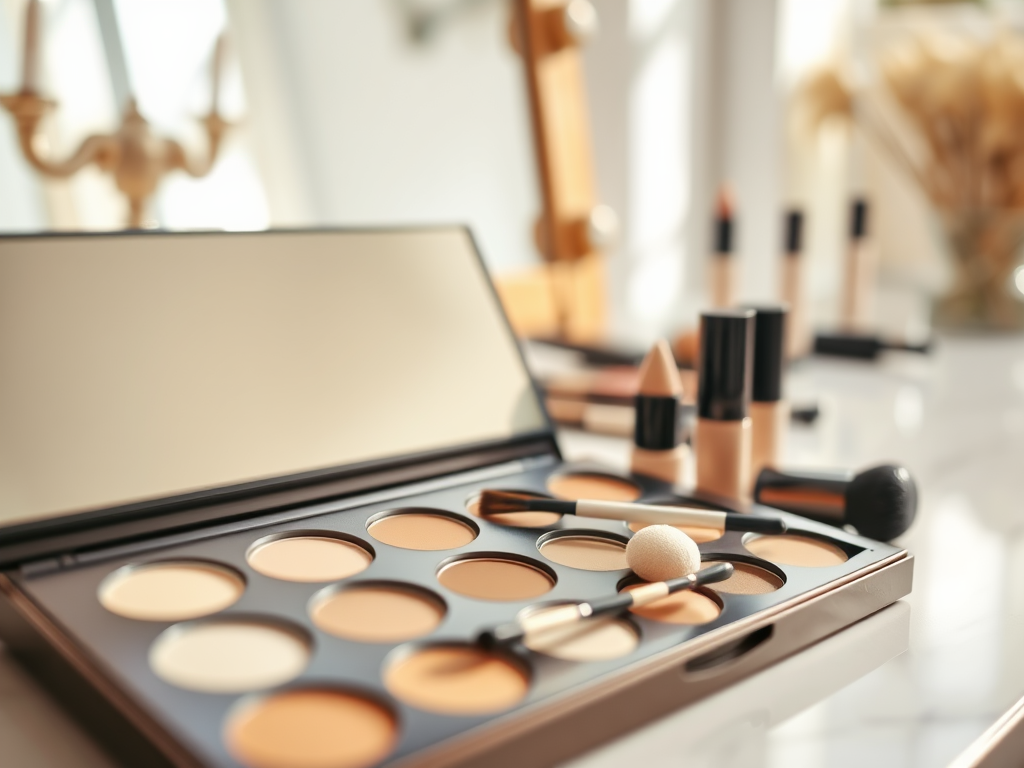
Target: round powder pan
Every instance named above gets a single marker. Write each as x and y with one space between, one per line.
597 639
688 607
310 556
593 485
748 578
516 519
456 679
377 611
311 727
171 590
796 549
422 528
497 576
584 550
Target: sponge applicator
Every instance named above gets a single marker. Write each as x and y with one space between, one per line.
661 552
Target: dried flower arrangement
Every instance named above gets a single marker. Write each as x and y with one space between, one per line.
958 131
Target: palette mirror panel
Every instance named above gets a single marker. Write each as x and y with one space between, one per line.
392 646
136 367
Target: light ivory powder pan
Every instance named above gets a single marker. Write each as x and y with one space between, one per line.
492 577
796 550
517 519
309 557
378 613
229 656
598 639
585 552
685 607
310 728
170 591
422 529
457 680
586 485
747 579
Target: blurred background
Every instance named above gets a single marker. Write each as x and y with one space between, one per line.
590 160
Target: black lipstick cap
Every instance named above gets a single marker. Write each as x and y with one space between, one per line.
859 219
769 344
794 232
726 364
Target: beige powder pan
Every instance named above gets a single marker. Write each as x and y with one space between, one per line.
598 639
457 680
796 550
686 607
747 579
229 655
590 485
422 529
517 519
383 612
311 728
585 551
495 577
309 557
170 590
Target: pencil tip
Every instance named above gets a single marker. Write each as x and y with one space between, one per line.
659 376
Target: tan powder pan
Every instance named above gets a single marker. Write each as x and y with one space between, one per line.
585 550
457 680
378 612
747 579
688 608
591 485
600 639
311 728
517 519
422 529
311 556
171 590
229 655
796 550
496 577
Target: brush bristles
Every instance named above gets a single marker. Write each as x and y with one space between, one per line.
501 502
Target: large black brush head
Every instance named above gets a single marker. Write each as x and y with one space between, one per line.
881 502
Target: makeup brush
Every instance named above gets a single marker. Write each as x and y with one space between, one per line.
502 502
863 347
879 502
562 616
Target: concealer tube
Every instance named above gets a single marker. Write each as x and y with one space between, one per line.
769 412
798 332
723 433
656 447
860 273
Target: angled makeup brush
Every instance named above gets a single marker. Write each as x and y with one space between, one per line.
570 614
501 502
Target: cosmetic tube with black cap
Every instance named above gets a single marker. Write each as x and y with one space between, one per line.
859 280
723 432
769 411
798 334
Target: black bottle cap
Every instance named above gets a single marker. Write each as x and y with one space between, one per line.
859 219
769 352
794 231
726 364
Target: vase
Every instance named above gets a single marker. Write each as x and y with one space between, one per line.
983 245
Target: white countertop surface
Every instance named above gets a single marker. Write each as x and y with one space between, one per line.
861 697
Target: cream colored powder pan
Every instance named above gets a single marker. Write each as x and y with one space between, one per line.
309 557
171 590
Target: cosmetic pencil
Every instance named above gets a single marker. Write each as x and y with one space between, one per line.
657 450
859 280
502 502
798 334
562 616
722 266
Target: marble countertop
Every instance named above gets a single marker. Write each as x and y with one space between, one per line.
911 686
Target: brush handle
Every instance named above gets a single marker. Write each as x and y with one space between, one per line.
669 515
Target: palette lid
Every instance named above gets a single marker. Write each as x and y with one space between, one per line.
142 373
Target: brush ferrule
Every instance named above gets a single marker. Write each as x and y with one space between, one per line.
650 513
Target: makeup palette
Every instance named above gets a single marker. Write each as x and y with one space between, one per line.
285 565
